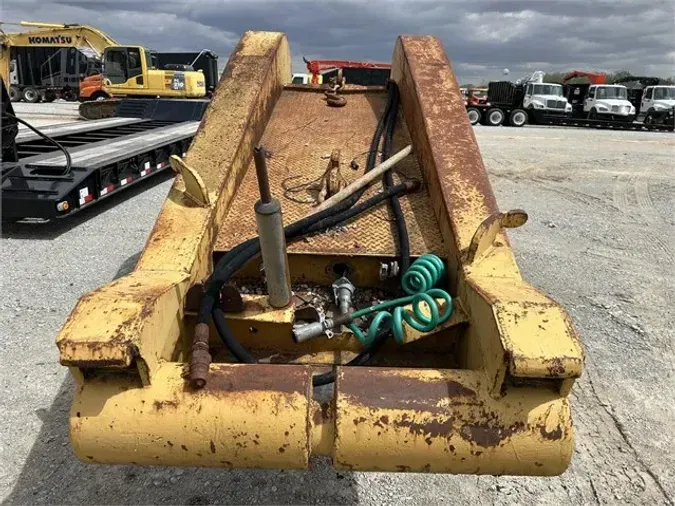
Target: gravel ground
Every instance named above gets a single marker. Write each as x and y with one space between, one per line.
599 240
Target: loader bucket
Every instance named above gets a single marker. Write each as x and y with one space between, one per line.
486 392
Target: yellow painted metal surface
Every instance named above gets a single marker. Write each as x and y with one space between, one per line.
445 421
244 417
488 394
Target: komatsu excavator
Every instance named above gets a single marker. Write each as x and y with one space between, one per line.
330 275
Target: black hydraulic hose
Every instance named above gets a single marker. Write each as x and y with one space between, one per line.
401 228
237 262
66 170
360 359
223 270
343 211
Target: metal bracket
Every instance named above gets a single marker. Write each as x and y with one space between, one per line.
487 231
195 189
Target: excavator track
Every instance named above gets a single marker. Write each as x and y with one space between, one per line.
99 109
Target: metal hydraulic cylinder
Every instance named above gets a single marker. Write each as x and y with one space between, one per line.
272 238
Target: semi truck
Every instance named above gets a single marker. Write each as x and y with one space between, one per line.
516 104
49 60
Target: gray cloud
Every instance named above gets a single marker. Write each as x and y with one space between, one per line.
481 37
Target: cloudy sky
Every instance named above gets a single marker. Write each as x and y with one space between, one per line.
481 37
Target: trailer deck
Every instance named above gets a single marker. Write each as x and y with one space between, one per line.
107 156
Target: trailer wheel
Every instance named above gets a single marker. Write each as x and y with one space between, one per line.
14 94
31 95
495 117
50 96
517 118
474 115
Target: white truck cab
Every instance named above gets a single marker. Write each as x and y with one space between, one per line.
546 97
305 79
657 99
609 101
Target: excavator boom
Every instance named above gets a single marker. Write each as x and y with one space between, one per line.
593 77
315 67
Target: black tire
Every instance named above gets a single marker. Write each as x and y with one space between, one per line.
50 96
494 117
474 115
31 95
14 94
649 118
518 118
593 114
70 95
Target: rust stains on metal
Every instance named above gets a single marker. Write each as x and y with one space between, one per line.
390 390
552 435
257 377
200 358
321 415
158 405
440 427
555 367
444 140
487 435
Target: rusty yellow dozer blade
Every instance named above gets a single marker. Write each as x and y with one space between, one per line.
173 368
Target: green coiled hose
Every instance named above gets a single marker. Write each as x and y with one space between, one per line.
418 282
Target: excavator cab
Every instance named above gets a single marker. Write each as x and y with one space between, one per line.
130 71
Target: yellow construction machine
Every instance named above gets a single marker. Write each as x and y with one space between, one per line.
330 275
50 59
128 71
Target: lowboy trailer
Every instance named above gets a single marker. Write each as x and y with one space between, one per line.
105 157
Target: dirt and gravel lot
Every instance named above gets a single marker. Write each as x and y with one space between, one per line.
599 240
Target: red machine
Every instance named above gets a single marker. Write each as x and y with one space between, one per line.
315 67
593 77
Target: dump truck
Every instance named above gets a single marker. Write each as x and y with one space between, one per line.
49 60
56 171
527 100
653 100
296 299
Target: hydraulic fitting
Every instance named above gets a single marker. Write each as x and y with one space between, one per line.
302 333
388 270
343 290
272 237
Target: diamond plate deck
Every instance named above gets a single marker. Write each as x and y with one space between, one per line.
300 135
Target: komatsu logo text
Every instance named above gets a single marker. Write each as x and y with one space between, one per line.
57 39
